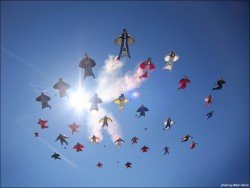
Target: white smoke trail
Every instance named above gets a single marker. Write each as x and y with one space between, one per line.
110 85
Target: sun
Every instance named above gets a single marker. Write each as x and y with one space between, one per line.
79 100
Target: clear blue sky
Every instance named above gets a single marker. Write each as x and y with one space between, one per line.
43 41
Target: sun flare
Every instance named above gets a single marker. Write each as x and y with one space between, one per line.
79 100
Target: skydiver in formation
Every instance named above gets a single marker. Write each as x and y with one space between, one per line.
87 64
78 147
209 114
134 140
105 120
95 100
128 165
99 165
94 140
36 134
62 86
166 150
124 41
118 142
144 149
142 111
219 84
146 66
183 82
62 139
44 100
170 59
193 145
56 156
121 101
42 123
168 123
185 138
208 100
74 127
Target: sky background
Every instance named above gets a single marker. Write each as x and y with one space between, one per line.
43 41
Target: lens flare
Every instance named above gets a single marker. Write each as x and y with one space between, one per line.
79 100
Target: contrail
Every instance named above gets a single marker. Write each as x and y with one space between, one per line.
69 162
24 62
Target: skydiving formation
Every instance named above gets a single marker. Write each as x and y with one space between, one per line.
44 100
142 111
87 64
121 101
170 59
62 87
146 66
124 41
105 121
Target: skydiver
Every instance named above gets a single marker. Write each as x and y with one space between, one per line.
208 100
128 165
209 114
87 64
166 150
124 41
99 165
62 139
56 156
74 127
193 145
62 86
44 100
144 149
78 147
168 123
219 84
142 111
134 140
118 142
42 123
95 100
185 138
36 134
105 121
183 82
95 139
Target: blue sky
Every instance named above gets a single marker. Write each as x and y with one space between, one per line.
43 41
